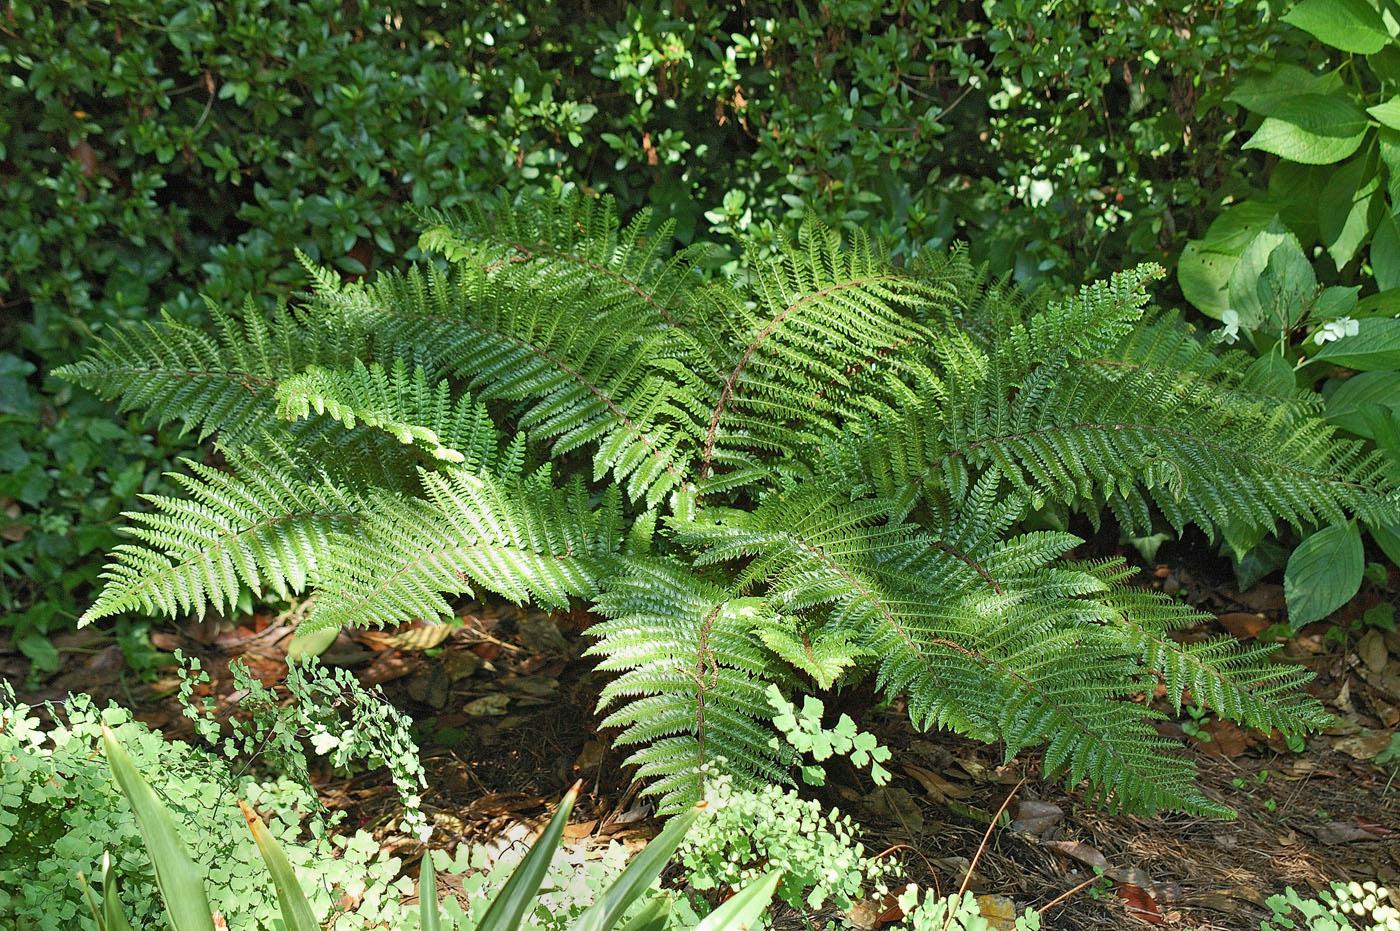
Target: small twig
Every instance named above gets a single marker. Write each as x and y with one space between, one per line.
983 846
1065 895
917 852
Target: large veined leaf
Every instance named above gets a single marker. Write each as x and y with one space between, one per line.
1346 405
1313 129
1204 277
1250 290
1349 25
1323 573
1264 93
1348 208
1385 254
1375 346
1387 537
1388 113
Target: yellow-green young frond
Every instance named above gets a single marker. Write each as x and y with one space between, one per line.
263 527
823 651
691 681
582 376
578 238
1092 322
524 539
222 382
401 404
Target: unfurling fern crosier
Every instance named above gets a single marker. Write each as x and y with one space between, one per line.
816 472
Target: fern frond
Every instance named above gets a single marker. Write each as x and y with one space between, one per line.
692 680
992 638
575 237
262 526
580 377
780 368
521 538
1240 683
402 405
224 382
1200 446
1095 320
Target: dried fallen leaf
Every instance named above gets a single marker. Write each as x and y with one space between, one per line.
492 705
1363 746
580 829
1340 832
897 805
1244 624
999 911
1226 739
870 914
431 686
1139 903
420 636
1078 850
1033 817
590 757
461 664
938 788
1371 649
540 634
388 666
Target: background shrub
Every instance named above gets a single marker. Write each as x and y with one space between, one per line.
151 150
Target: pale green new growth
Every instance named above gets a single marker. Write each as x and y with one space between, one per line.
819 470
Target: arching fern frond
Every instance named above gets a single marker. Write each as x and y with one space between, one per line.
1203 449
1238 682
692 680
224 382
996 638
404 406
264 526
580 377
523 539
780 368
574 238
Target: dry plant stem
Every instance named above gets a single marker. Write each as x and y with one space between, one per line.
983 846
1065 895
918 853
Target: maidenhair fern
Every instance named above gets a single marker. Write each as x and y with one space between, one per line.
817 471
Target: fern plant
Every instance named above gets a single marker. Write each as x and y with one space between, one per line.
827 468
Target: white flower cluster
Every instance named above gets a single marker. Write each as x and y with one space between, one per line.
1334 330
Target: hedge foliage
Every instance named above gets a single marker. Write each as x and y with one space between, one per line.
153 150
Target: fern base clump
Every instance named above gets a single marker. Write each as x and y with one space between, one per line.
819 470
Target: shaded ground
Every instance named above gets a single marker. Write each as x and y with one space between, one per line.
505 712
